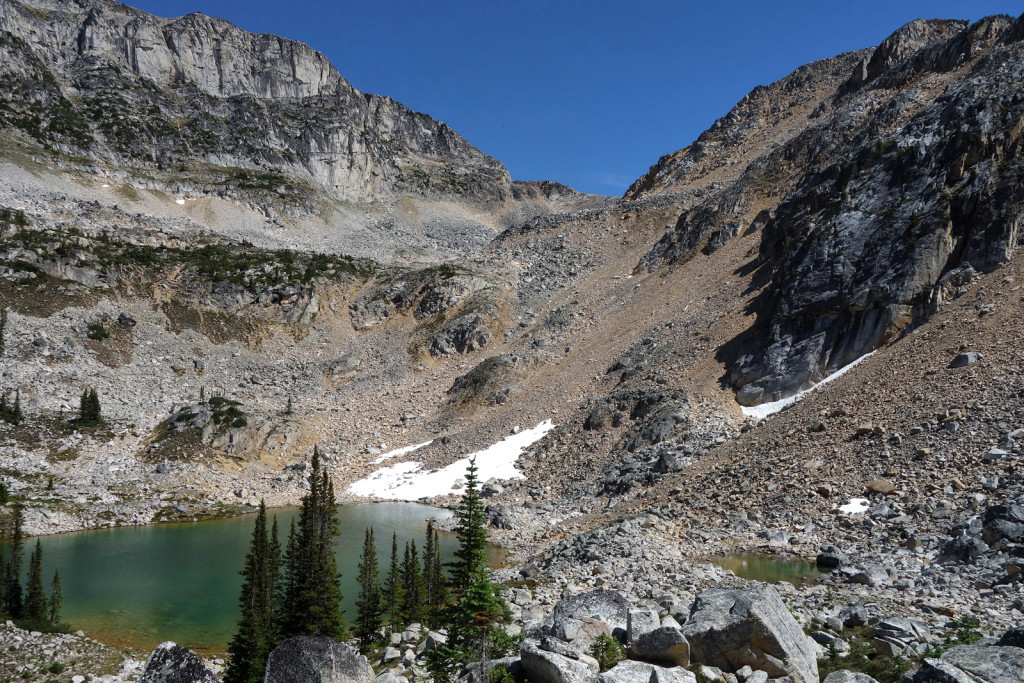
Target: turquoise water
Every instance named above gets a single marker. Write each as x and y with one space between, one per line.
140 586
769 568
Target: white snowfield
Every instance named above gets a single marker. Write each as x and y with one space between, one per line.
407 481
765 409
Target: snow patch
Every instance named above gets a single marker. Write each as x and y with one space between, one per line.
401 451
766 409
855 507
407 481
179 202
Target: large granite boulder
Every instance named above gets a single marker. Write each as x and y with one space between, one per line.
316 660
663 644
734 627
973 664
172 663
630 671
603 605
844 676
543 666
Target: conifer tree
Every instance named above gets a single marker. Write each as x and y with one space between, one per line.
3 329
313 590
256 635
16 415
393 588
435 590
12 581
478 613
3 583
412 586
369 604
35 598
56 599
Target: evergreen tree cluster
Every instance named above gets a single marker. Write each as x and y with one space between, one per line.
29 606
89 408
305 600
297 594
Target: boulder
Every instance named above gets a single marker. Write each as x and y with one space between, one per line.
963 360
732 627
855 615
830 557
665 644
541 666
480 672
845 676
316 660
1014 637
629 671
639 622
971 664
172 663
604 605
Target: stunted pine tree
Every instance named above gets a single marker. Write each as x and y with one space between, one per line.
256 635
312 600
12 580
35 597
56 599
369 604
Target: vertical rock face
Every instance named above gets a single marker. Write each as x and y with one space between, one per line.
228 109
172 663
891 183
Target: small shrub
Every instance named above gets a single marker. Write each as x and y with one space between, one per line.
56 668
97 332
607 651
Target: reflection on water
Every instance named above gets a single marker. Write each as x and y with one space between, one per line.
769 568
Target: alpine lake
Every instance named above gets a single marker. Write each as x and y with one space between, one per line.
140 586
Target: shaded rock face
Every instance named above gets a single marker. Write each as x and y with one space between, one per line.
971 663
730 628
248 101
172 663
857 253
316 660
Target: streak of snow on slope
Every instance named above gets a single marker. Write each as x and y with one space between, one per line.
766 409
407 481
401 451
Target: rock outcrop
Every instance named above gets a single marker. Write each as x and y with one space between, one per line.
172 663
317 659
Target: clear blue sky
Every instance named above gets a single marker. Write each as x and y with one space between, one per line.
585 93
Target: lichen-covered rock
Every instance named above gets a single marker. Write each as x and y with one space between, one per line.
630 671
663 644
973 664
316 660
605 605
172 663
542 666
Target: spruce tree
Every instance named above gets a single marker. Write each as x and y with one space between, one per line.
3 329
35 598
16 415
12 582
369 604
412 586
313 589
56 599
435 597
476 618
393 588
256 635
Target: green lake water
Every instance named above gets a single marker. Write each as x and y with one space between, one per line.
140 586
769 568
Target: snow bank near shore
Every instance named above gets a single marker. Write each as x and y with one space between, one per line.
407 481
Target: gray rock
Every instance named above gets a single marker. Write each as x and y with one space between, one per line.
639 622
871 576
733 627
844 676
604 605
758 677
542 666
662 645
481 672
830 557
172 663
1014 637
963 360
973 663
629 671
316 660
855 615
127 320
